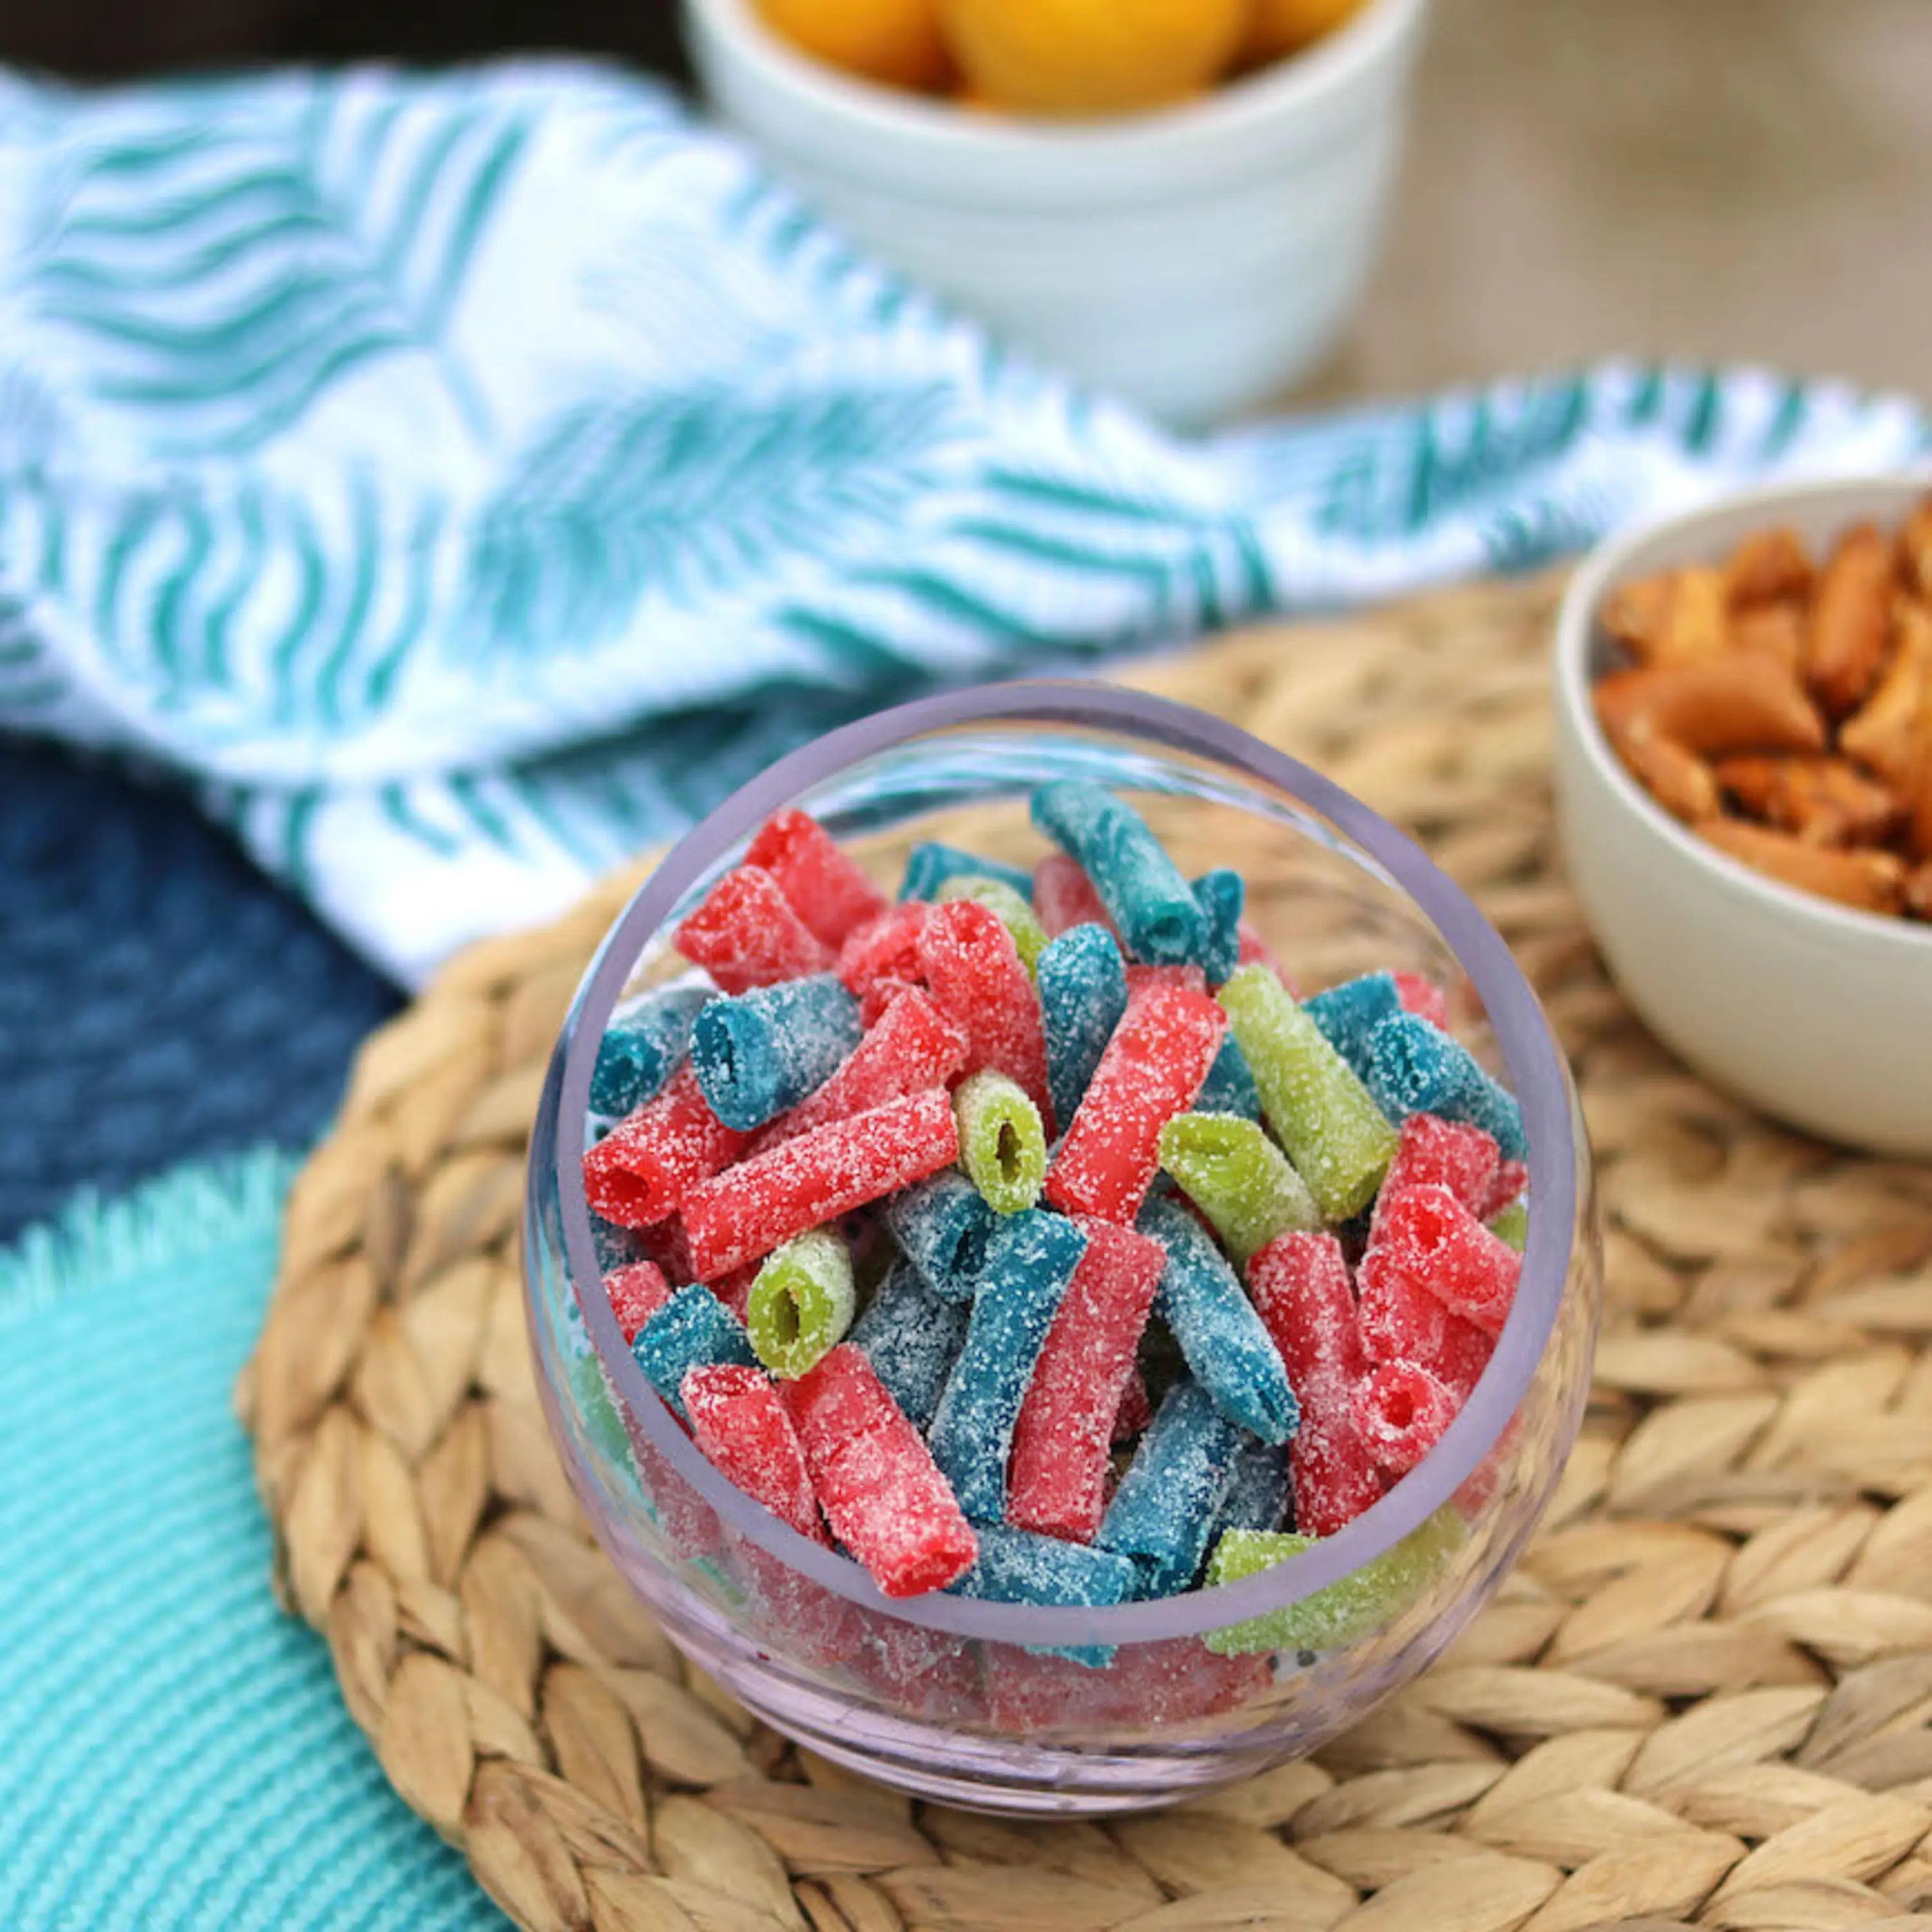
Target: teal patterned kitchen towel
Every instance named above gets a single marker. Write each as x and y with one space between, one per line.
464 480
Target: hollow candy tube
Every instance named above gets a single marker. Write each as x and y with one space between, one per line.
885 948
1002 1144
690 1330
1258 1491
1153 1069
764 1050
821 880
1057 1471
930 865
746 934
1321 1113
1064 897
801 1303
640 1049
1402 1411
1010 908
738 1420
1415 1068
1163 1511
743 1213
1447 1250
1230 1169
1082 983
1348 1013
1436 1153
637 1290
1030 1260
1153 907
910 1337
1229 1087
942 1227
645 1166
1221 894
1015 1566
970 963
1225 1344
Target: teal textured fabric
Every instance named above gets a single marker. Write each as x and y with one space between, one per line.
173 1750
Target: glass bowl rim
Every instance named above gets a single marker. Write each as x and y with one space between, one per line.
1538 1073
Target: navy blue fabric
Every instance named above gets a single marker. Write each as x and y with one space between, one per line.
159 1000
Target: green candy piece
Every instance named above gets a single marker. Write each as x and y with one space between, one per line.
1320 1111
801 1304
1345 1612
1512 1225
1002 1141
1230 1169
1009 907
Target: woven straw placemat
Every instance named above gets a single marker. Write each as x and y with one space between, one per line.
1705 1698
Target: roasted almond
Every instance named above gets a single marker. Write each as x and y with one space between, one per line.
1739 701
1872 881
1825 801
1851 623
1769 567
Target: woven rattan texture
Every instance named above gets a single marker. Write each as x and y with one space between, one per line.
1706 1698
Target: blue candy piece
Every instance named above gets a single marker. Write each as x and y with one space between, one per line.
641 1051
1165 1509
910 1337
1230 1086
943 1226
931 864
616 1247
1221 895
1154 907
1029 1259
1082 981
1347 1014
1415 1068
1208 1313
1258 1491
1017 1567
762 1052
692 1329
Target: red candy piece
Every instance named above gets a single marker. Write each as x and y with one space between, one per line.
1436 1152
1422 997
825 886
1255 950
878 999
747 1211
738 1420
1400 1320
1333 1473
746 934
879 1488
912 1046
1140 978
978 982
637 1290
663 1242
1136 1408
643 1168
1152 1069
734 1289
1056 1480
1064 897
1464 1355
1506 1185
1445 1249
886 949
1175 1680
1401 1412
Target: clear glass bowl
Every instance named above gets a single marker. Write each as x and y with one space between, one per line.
965 1700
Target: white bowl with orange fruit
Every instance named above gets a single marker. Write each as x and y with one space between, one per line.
1177 201
1744 769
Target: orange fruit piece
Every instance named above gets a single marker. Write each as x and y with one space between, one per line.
896 41
1092 56
1279 27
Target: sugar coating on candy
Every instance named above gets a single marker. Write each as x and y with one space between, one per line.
1057 1473
1082 983
1153 1069
1238 1178
1398 1319
1002 1144
979 982
741 1215
1402 1411
1189 979
637 1291
1319 1112
942 1227
911 1337
691 1329
764 1051
1512 1225
746 934
1064 897
1415 1068
1223 1340
1229 1087
616 1247
1349 1012
1011 908
1505 1189
930 865
1258 1490
1165 1508
1151 904
640 1049
823 883
1445 1249
738 1420
1221 894
884 949
641 1171
1135 1411
1016 1567
1254 950
801 1303
1422 997
1029 1259
1345 1612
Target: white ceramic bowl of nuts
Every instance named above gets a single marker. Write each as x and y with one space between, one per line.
1744 770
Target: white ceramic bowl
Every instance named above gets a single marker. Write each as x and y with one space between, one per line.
1194 261
1819 1015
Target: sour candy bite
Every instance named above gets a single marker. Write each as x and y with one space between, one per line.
758 1053
738 1420
746 934
821 883
1002 1144
1415 1068
932 866
1159 919
641 1171
801 1303
1064 897
639 1051
637 1290
1220 894
1082 983
1163 1511
911 1338
978 982
1238 1178
942 1227
692 1330
1011 908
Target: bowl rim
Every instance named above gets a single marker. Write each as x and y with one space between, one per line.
1576 637
1538 1075
1235 105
